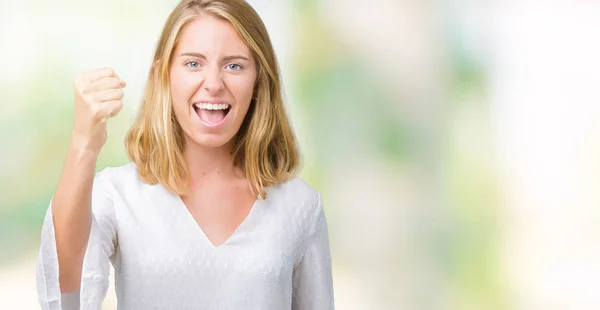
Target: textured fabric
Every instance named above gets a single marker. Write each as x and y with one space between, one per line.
70 300
277 259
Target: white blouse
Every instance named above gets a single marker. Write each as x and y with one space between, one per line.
278 258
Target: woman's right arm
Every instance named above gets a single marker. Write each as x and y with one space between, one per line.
79 195
97 97
71 215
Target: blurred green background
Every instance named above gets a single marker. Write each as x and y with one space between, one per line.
456 143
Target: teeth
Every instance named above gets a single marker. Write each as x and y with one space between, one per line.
212 106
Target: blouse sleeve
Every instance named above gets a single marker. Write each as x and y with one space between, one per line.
100 249
312 281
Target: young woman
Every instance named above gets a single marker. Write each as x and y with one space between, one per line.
210 213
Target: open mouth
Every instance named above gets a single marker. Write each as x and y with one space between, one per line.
212 114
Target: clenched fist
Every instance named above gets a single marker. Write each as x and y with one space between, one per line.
97 95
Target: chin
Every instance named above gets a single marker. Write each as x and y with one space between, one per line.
210 140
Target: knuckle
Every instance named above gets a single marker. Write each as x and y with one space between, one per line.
77 82
81 75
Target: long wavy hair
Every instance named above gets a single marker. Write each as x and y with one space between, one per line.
264 148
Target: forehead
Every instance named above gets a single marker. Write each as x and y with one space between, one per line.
211 35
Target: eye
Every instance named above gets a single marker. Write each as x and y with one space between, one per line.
193 64
234 67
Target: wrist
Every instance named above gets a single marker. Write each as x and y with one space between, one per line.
83 150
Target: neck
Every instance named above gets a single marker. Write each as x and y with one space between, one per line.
207 163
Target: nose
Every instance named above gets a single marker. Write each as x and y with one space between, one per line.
213 81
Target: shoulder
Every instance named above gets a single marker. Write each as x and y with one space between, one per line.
120 178
303 205
298 196
296 189
124 172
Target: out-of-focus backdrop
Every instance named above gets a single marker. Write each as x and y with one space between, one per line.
456 143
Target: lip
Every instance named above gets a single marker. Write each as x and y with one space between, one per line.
212 102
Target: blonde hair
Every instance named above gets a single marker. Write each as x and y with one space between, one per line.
264 148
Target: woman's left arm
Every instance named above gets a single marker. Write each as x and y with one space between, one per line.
312 286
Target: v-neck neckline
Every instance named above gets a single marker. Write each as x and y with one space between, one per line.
190 217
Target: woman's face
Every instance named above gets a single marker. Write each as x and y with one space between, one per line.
212 80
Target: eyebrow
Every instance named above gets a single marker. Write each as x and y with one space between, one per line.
226 58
